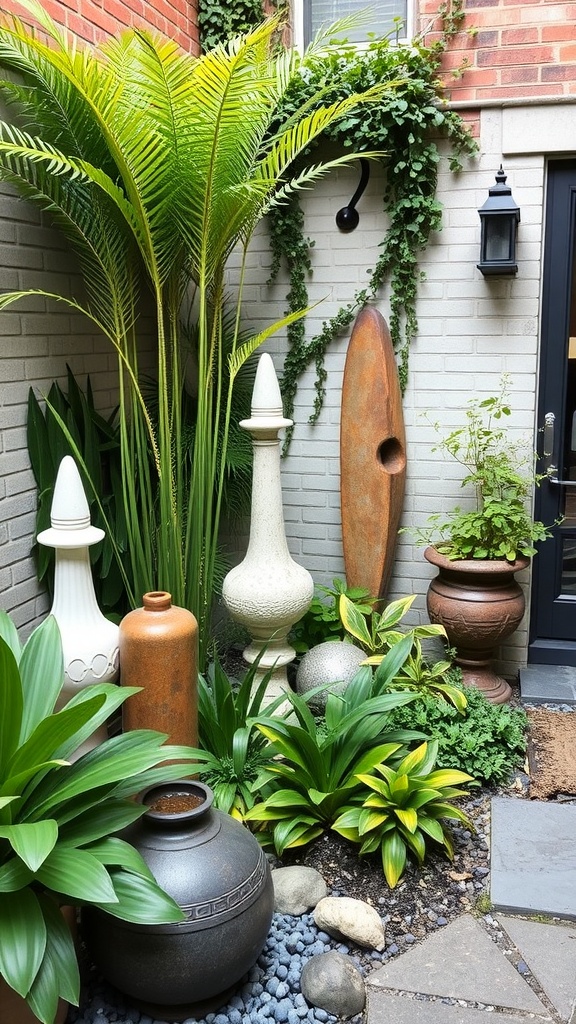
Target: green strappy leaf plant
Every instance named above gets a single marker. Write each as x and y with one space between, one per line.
158 165
58 816
404 808
320 760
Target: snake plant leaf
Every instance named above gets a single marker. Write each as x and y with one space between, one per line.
23 938
32 841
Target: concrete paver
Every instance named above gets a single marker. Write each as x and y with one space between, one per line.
550 952
392 1009
548 684
533 857
461 962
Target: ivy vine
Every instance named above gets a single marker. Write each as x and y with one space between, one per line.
405 125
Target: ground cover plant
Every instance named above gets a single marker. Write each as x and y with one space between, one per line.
58 816
488 741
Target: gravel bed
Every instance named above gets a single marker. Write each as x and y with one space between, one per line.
425 900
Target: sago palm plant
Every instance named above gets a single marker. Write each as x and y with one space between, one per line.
157 165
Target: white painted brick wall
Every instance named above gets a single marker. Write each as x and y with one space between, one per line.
37 339
471 330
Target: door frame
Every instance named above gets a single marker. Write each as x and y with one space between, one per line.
558 259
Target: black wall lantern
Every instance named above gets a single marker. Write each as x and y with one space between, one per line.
498 218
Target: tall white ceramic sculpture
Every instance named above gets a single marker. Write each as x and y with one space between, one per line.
268 592
89 640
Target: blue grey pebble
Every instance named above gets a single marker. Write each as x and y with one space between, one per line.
409 938
282 990
375 955
308 936
221 1018
321 1015
302 1011
234 1015
210 1018
316 947
281 971
392 949
293 1017
285 958
281 1010
300 947
523 968
441 921
236 1003
324 937
293 979
265 997
272 985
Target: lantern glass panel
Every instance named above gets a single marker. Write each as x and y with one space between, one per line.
498 238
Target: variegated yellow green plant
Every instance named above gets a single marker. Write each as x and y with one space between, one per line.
405 806
376 634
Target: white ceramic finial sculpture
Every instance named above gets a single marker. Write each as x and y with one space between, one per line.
268 592
89 640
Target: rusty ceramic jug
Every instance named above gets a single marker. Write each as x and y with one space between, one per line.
158 652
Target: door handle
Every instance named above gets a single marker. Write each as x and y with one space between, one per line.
548 452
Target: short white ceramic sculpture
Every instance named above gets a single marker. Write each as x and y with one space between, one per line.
89 640
268 592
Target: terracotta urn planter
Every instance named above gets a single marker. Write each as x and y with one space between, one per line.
480 604
219 875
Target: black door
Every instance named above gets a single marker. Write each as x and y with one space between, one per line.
553 625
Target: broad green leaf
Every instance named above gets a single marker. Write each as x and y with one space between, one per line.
393 858
354 622
11 706
115 852
49 734
408 817
99 821
9 634
23 939
139 900
77 875
14 875
394 612
447 777
31 842
413 760
42 671
416 843
431 827
392 662
370 819
58 975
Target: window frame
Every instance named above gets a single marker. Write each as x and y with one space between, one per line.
302 23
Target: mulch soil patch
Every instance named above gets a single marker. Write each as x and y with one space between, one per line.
551 754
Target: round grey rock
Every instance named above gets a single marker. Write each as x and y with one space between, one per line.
334 662
297 889
332 982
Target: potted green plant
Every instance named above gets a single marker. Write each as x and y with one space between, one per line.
57 822
478 549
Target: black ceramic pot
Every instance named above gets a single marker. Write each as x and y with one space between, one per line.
217 872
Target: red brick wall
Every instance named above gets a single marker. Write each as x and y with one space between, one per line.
515 48
94 20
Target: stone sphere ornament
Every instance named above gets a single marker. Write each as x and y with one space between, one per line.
335 662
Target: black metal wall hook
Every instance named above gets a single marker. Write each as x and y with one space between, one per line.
348 217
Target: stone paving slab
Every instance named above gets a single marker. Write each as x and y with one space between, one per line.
548 684
549 950
533 857
394 1009
460 962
